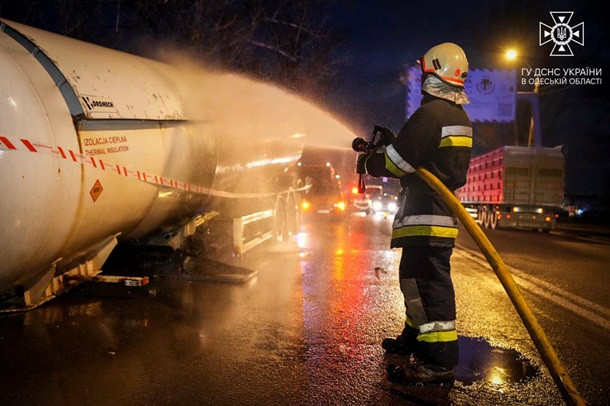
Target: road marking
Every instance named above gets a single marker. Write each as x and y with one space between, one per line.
594 239
597 314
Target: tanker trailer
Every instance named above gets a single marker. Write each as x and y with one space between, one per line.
99 146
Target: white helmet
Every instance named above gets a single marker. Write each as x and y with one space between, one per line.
446 61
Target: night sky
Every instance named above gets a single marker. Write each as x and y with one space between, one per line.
377 39
381 37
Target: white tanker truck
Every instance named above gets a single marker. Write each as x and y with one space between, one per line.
98 146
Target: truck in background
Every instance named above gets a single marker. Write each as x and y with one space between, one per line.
515 187
375 200
325 195
363 202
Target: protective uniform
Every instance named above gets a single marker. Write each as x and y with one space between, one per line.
438 136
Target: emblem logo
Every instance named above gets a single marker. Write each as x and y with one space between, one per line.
486 85
561 33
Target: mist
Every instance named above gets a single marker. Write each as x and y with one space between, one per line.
250 110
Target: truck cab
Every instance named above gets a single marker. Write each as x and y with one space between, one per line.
325 195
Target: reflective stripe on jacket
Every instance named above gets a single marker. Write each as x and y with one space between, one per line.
438 136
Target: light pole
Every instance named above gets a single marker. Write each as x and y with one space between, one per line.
512 55
535 134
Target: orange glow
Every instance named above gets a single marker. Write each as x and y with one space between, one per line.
508 216
305 205
354 190
548 219
511 54
340 206
349 274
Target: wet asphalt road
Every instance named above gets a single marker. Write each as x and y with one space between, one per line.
565 278
306 330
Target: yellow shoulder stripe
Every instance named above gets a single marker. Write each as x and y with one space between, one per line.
456 141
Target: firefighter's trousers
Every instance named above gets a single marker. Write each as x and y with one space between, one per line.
425 282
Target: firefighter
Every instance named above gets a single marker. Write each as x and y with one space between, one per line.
438 137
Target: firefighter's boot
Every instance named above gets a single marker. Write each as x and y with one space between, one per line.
404 344
419 372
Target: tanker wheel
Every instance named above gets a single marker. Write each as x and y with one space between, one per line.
292 217
299 215
279 221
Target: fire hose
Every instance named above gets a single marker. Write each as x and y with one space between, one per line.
541 341
549 356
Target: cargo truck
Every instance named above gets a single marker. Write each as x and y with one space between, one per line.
515 187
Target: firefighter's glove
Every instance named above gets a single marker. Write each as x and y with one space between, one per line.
385 136
360 165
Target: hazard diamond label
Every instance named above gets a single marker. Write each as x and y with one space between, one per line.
96 190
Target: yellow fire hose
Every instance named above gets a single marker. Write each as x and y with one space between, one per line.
541 341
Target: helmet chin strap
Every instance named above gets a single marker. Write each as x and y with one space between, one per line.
436 87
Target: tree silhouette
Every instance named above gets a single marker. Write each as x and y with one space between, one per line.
285 41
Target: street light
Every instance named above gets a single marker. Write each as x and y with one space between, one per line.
534 136
511 54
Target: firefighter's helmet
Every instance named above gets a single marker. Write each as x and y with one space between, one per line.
448 62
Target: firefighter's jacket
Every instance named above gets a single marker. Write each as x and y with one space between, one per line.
438 136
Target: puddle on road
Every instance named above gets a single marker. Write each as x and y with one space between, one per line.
479 361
